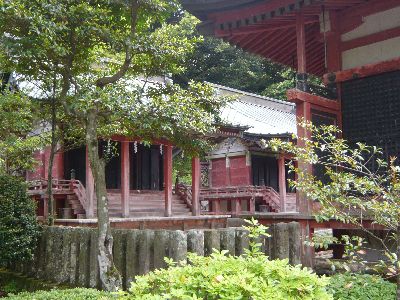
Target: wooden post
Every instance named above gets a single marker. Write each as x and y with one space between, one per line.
301 43
334 58
89 189
228 171
252 205
195 186
238 207
168 180
303 111
125 173
44 198
282 182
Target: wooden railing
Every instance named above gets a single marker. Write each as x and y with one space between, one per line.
80 192
39 187
185 193
59 186
211 198
271 197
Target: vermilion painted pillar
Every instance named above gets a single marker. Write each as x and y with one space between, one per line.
301 43
89 189
282 182
125 173
44 198
334 58
303 111
168 180
228 171
196 173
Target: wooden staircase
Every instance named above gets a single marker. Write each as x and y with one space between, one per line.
147 204
142 204
76 206
235 195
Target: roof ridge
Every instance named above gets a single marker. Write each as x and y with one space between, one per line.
263 106
250 94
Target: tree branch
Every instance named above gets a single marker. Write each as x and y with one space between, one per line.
103 81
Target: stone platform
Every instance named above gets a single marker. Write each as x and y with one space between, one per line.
171 223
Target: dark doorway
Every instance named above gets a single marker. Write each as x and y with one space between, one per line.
264 171
113 166
146 167
75 160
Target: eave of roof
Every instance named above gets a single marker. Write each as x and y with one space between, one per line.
258 115
201 8
267 28
236 91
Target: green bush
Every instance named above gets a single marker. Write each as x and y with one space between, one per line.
227 277
71 294
19 229
361 287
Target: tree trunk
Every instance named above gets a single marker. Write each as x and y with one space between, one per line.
53 149
109 275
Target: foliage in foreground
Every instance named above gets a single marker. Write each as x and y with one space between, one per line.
342 286
18 226
18 115
352 183
361 287
71 294
227 277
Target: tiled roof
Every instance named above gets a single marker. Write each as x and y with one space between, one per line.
262 114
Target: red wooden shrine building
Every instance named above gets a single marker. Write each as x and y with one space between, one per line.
239 159
240 176
354 45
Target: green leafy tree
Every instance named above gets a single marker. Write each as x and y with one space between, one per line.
19 230
18 141
359 185
219 62
92 53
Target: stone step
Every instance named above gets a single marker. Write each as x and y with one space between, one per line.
162 199
146 204
149 214
118 204
145 201
150 210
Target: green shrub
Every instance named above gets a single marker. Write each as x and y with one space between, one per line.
19 229
361 287
71 294
227 277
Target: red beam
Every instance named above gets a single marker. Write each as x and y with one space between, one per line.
251 42
365 71
168 180
286 56
371 39
352 18
282 182
279 44
89 188
334 57
248 12
195 186
125 173
298 97
155 141
301 43
259 45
